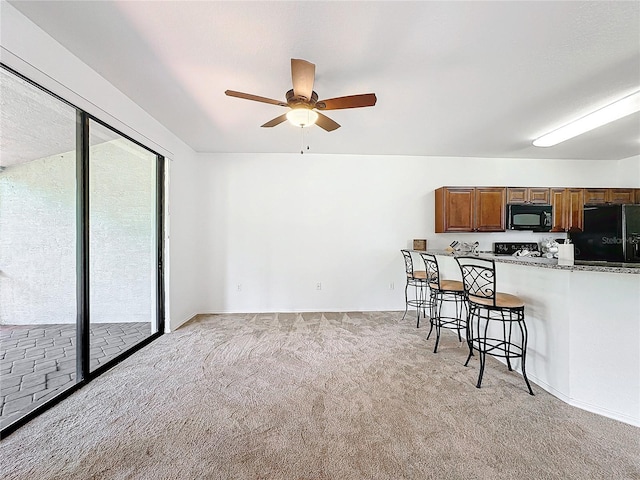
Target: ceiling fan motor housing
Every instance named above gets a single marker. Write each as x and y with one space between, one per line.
296 101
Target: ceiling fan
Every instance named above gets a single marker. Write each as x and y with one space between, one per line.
303 101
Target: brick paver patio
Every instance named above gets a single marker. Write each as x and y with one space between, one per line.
38 361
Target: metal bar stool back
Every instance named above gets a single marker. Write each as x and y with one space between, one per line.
444 291
495 320
418 280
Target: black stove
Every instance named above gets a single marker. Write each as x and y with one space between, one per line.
509 248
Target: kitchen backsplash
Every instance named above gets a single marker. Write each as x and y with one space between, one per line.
486 240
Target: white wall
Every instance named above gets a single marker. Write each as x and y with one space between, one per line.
277 225
629 172
33 53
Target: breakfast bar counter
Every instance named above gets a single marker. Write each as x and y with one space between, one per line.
584 328
543 262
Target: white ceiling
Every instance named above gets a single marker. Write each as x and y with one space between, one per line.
479 79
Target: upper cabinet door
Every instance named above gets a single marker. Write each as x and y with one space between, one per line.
517 195
621 195
558 216
574 205
595 196
454 209
490 209
539 195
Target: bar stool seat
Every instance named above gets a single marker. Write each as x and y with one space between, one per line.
444 291
419 274
495 322
453 285
503 300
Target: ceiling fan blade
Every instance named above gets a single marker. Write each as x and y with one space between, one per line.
275 121
256 98
302 75
350 101
326 123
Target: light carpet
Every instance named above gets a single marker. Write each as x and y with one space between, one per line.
314 396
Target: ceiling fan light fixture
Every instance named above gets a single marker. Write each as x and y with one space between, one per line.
614 111
302 117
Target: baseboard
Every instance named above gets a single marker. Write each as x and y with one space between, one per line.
548 388
182 323
341 310
621 417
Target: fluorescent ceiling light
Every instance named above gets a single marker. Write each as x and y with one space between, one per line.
302 116
621 108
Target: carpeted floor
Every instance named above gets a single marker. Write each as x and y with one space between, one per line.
314 396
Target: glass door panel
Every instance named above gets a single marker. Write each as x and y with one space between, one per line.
37 247
122 244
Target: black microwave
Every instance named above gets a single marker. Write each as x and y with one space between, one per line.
529 217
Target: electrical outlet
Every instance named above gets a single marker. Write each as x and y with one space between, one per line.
392 286
239 287
318 286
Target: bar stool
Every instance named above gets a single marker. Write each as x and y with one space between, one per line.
418 280
443 291
492 316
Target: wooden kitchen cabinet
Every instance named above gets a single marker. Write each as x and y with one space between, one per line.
595 196
621 195
536 195
557 216
490 209
603 196
454 209
568 205
470 209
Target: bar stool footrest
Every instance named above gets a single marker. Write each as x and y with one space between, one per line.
497 347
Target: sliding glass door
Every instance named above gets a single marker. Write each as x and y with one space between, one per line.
80 248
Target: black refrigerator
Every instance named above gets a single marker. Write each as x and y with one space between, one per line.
611 233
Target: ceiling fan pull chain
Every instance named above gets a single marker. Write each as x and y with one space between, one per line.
302 142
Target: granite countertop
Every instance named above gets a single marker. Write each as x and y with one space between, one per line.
544 262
